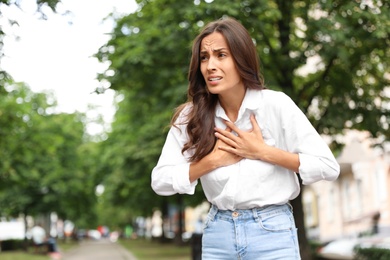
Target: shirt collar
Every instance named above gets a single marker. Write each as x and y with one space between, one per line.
252 101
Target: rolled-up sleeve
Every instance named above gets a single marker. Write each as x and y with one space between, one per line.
314 168
171 174
317 161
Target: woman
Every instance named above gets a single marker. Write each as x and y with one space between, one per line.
246 144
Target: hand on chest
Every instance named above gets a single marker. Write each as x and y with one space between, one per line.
244 123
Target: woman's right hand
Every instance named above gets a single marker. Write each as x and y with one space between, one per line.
215 159
221 157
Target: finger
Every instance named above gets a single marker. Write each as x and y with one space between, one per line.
218 144
226 137
233 127
228 149
232 151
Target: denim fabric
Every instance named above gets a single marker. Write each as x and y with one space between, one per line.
261 233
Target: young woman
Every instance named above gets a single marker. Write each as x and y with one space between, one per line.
246 144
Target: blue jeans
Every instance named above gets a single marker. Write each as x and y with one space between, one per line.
260 233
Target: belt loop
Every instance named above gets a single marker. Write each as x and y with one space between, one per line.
255 214
213 212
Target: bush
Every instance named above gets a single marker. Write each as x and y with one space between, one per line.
372 253
314 247
10 245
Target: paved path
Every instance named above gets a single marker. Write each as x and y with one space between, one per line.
98 250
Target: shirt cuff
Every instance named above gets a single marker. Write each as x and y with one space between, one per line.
310 169
181 180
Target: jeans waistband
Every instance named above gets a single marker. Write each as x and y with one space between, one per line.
248 213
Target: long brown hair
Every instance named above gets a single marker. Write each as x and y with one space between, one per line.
200 118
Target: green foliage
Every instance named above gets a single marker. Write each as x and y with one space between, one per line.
372 253
46 163
51 3
42 155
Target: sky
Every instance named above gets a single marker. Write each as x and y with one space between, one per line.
56 54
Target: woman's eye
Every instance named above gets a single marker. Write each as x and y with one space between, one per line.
203 58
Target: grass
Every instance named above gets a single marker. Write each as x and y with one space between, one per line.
141 248
16 255
22 255
150 250
31 255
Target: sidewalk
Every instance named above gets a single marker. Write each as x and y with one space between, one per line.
98 250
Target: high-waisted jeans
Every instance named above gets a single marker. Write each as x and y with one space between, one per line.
261 233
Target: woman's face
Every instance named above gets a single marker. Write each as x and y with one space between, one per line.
217 65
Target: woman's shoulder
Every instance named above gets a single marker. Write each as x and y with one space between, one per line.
186 109
274 96
182 112
273 93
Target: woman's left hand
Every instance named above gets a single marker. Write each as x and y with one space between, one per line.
249 145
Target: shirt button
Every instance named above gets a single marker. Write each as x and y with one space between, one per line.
235 214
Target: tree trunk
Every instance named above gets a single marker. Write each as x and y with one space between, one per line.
25 241
164 211
299 218
180 230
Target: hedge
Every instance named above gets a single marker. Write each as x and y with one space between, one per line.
371 253
11 244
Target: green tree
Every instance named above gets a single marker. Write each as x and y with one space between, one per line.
48 163
42 157
149 54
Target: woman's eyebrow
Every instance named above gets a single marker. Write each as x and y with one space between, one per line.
219 50
214 50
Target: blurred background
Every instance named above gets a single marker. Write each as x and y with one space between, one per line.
87 90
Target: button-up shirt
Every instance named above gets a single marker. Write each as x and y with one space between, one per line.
250 183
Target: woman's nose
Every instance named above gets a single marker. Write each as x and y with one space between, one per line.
211 64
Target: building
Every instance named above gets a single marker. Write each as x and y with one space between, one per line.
358 202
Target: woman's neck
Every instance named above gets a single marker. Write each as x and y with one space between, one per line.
231 103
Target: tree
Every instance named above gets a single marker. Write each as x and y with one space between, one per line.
48 163
329 56
42 157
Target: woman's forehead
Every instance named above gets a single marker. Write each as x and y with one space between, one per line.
213 41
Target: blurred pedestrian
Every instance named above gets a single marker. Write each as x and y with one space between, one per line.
246 144
43 242
38 236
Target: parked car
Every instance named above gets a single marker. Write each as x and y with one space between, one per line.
343 249
94 234
339 249
81 234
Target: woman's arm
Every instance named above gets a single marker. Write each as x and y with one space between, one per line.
251 145
217 158
171 174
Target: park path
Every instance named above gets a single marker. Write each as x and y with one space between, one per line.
102 249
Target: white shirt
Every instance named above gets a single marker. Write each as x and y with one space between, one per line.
251 183
38 235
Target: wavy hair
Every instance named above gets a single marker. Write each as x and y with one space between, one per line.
200 118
